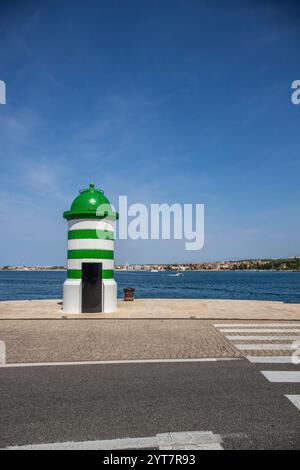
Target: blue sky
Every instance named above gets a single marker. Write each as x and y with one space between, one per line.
164 101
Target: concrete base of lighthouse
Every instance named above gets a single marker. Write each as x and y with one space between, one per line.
72 296
72 293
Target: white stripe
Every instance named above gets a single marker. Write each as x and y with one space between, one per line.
129 361
90 244
263 338
295 399
262 347
270 359
281 376
253 325
90 224
260 330
169 441
76 263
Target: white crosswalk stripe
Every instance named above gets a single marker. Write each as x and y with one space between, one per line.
295 399
270 359
259 330
263 338
264 347
253 325
282 375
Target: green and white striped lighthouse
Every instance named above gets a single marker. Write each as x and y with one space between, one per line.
90 284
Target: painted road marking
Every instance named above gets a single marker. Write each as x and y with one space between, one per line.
263 338
270 359
282 376
168 441
295 399
259 330
264 346
253 325
2 352
129 361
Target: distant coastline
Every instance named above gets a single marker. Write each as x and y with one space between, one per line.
33 268
281 264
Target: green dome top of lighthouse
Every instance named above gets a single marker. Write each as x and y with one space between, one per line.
91 204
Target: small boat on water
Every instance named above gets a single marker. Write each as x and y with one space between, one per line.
176 275
154 271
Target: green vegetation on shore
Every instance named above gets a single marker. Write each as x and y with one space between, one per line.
282 264
291 264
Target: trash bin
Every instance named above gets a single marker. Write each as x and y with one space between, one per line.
129 293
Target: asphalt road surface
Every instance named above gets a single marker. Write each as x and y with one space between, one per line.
233 399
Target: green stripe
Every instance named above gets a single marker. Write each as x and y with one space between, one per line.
90 233
74 274
107 273
77 274
88 254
